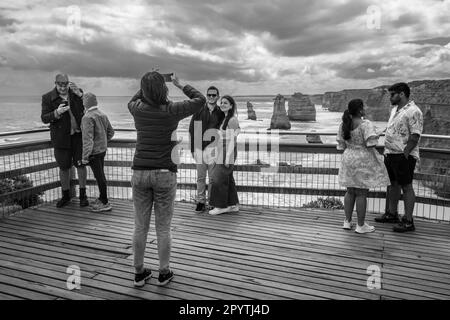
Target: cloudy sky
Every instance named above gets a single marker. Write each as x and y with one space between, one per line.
241 46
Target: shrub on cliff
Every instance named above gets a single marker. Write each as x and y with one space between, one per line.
18 183
325 203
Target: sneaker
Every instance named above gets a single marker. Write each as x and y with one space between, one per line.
164 279
95 203
141 278
364 229
347 225
388 218
64 201
234 208
217 211
101 207
404 226
84 202
200 207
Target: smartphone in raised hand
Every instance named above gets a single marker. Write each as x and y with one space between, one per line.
167 77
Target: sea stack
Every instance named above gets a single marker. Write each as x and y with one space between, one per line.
251 113
279 119
301 108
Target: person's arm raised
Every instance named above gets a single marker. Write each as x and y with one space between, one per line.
186 108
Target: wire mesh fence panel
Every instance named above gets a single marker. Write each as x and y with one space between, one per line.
28 177
289 176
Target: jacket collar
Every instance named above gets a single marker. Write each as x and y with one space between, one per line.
55 95
92 109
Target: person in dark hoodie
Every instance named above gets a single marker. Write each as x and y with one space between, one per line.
209 117
154 180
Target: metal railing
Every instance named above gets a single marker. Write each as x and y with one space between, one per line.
284 174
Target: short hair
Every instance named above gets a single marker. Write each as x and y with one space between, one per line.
400 87
61 77
213 88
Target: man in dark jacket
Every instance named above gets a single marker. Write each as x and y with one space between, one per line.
63 109
154 168
209 117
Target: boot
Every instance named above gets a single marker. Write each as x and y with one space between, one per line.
65 200
83 198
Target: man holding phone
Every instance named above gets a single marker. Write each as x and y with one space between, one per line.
63 109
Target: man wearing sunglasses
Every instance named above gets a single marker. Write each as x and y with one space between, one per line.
209 117
63 109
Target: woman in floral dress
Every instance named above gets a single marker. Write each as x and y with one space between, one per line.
362 167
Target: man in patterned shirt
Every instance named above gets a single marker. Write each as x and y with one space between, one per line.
401 154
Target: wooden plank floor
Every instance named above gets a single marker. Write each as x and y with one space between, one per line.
254 254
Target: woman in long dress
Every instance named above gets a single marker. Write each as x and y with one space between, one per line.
224 197
362 167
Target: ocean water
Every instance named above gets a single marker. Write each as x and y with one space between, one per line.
24 113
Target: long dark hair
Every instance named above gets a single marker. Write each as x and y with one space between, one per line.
154 88
353 108
231 112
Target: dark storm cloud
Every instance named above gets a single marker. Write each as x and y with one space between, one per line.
363 70
295 28
5 22
216 30
407 19
442 41
105 58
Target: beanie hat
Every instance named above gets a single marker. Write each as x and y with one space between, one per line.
89 100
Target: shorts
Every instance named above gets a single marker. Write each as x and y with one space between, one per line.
400 169
65 158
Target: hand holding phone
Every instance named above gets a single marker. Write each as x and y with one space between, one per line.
167 77
63 107
176 82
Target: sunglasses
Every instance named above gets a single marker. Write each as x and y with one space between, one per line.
62 84
212 95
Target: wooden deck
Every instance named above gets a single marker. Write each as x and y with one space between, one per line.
253 254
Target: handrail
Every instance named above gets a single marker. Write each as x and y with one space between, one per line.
249 132
281 146
247 166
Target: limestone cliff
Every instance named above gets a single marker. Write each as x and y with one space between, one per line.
279 119
250 111
316 98
433 98
338 101
377 99
301 108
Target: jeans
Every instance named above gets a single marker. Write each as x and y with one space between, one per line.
150 187
223 187
202 169
97 164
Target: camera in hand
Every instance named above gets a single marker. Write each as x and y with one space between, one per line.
167 77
